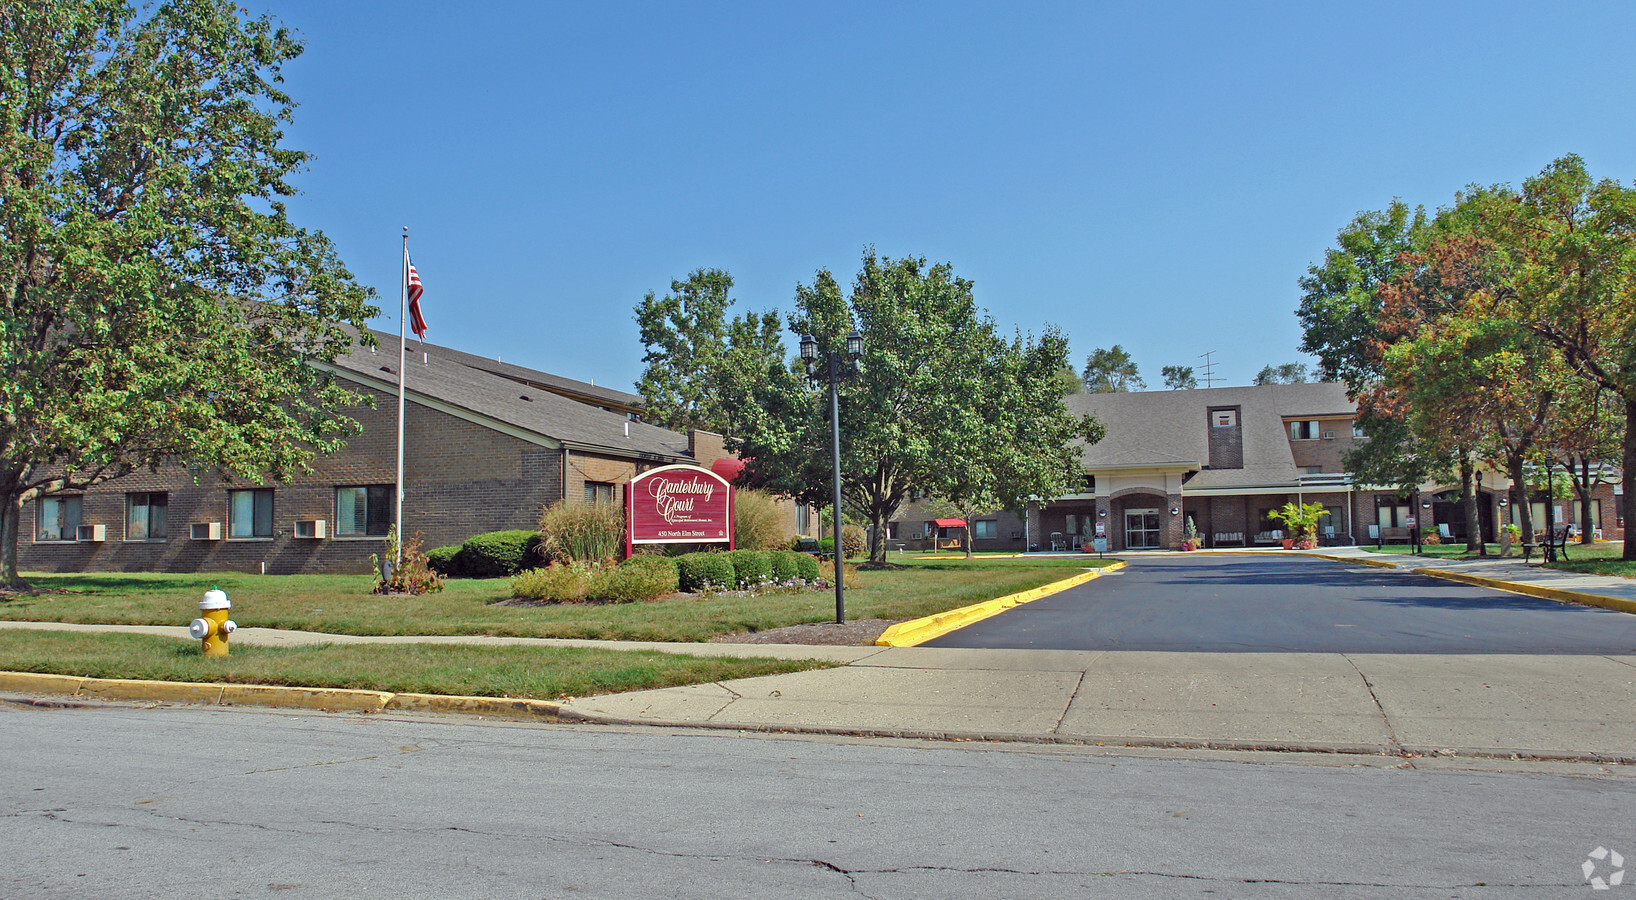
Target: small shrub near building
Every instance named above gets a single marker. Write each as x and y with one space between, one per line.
497 554
441 560
788 565
852 541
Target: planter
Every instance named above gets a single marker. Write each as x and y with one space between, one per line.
1289 543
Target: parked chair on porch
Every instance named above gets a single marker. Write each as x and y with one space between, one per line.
1057 545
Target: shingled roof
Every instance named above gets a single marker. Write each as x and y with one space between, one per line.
445 376
1171 428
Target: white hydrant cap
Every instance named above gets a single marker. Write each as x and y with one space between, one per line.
215 598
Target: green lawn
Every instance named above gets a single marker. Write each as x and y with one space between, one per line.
540 673
342 604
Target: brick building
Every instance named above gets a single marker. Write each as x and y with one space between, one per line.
487 446
1227 457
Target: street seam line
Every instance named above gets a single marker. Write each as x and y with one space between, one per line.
919 631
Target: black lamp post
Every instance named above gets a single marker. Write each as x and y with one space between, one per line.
834 364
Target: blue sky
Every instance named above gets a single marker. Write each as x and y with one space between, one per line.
1151 175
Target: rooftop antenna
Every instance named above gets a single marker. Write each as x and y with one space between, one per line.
1209 368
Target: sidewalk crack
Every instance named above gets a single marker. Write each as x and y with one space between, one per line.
1057 728
1394 746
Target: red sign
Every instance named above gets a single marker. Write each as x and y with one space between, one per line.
678 505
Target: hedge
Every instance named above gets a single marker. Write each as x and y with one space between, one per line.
698 571
497 554
750 567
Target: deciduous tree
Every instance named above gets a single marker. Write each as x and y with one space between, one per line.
1110 371
156 302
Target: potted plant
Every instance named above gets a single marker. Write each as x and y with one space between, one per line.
1190 535
1301 522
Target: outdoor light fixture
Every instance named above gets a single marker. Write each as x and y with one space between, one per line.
1174 511
1425 504
1101 514
1504 502
831 366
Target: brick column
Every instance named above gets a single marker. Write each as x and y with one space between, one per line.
1170 526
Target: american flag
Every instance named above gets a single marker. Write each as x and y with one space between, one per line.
417 323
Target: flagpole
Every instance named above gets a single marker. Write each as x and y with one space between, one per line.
403 316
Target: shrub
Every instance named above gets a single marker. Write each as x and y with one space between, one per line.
410 574
568 583
787 565
661 569
441 560
698 571
1431 538
758 523
497 553
582 531
627 583
750 567
852 541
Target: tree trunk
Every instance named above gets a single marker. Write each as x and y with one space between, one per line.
1583 486
1468 501
1628 476
1519 497
877 536
968 538
11 525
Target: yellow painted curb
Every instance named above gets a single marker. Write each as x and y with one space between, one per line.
1362 561
334 699
484 706
1534 590
37 683
918 631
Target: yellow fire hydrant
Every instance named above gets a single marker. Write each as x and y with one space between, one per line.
214 626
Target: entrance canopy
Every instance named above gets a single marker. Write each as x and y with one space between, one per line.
949 523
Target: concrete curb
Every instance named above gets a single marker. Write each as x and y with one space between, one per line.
1377 563
1533 590
918 631
332 699
1155 743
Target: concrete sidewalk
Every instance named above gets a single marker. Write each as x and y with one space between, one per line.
1550 707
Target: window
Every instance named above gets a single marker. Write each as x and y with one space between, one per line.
1223 418
250 514
59 518
985 529
1394 516
803 519
145 516
599 492
891 531
1305 430
363 511
1357 430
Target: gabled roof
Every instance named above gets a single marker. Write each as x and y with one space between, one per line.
440 377
1171 428
583 391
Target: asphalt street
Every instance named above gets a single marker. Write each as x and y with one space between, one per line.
118 801
1296 604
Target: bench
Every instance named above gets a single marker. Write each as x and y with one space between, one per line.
1220 538
1274 536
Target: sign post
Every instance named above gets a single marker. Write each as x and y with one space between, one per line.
678 505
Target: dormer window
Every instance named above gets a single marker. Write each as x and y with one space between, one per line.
1304 430
1224 418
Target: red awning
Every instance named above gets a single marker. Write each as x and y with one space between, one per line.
950 523
728 468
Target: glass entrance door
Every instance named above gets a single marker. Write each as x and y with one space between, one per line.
1141 529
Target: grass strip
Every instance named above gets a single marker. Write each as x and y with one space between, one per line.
342 604
536 673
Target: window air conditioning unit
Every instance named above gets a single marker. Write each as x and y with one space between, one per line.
205 531
311 528
92 533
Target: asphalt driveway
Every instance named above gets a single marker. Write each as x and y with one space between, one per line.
1296 604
